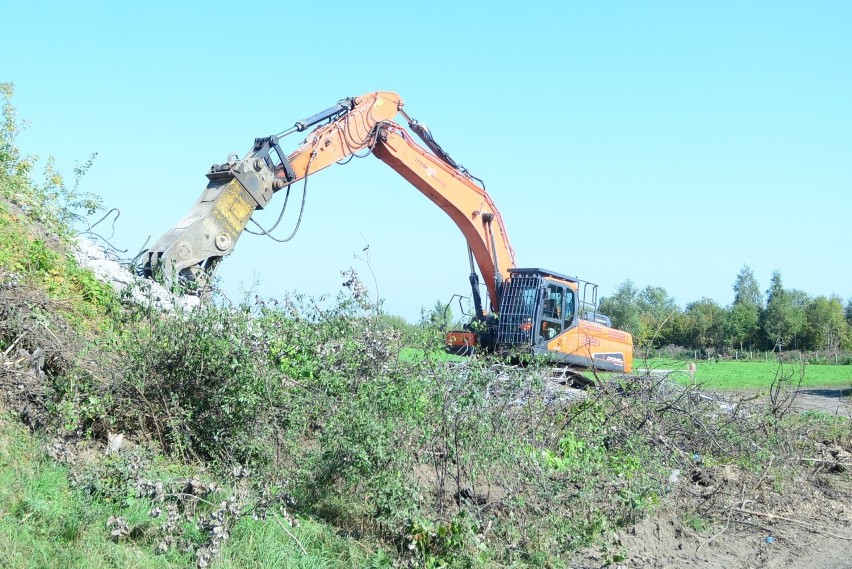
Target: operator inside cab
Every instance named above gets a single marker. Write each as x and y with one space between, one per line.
551 314
557 311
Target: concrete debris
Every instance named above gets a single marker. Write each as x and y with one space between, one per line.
136 289
118 527
115 440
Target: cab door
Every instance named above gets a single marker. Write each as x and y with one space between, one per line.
552 322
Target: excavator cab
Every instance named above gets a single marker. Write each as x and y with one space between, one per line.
544 313
532 306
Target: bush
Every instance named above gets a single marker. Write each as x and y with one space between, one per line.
196 381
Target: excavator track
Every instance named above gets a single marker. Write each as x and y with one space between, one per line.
569 377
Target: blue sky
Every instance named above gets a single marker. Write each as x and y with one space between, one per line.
669 143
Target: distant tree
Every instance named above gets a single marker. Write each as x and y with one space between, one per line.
746 289
656 308
741 325
398 325
677 331
705 321
656 302
623 308
783 318
848 312
825 324
776 287
799 301
439 318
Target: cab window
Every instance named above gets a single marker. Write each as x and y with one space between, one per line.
553 310
569 309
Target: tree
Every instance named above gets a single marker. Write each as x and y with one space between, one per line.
14 168
656 308
705 319
656 303
746 289
799 300
622 308
776 288
783 317
741 324
825 324
439 318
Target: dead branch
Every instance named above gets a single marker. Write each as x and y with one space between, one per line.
810 526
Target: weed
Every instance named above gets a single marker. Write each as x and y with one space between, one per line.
695 522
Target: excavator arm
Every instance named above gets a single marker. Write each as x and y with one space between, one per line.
237 188
455 192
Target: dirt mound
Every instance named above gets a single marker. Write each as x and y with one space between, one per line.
664 541
805 522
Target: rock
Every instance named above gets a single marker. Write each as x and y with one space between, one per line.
138 290
114 443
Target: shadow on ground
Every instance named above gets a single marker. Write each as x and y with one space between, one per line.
833 393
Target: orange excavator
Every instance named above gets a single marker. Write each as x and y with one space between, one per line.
533 311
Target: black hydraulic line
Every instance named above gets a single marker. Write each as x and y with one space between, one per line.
425 135
487 218
268 233
474 285
301 209
277 221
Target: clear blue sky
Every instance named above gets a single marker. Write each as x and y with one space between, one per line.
669 143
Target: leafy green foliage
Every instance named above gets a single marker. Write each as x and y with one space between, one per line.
53 203
825 327
790 319
202 377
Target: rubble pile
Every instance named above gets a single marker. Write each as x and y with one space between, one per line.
136 289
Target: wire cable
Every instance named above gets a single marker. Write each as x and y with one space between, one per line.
301 209
277 221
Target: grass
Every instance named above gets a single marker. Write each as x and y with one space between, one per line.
754 375
418 354
257 544
85 300
46 523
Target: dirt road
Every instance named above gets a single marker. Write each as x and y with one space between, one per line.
832 401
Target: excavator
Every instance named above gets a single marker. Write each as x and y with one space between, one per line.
533 312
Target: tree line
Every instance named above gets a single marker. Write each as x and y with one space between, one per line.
778 319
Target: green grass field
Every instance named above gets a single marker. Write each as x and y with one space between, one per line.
716 375
417 354
754 375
